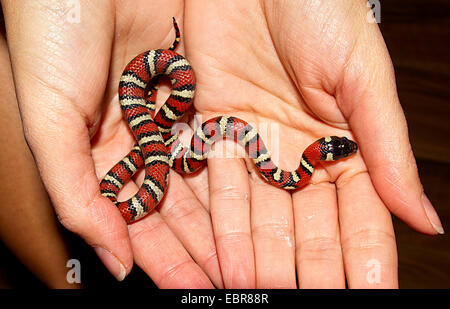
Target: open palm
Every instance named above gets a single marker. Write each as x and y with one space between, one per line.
284 69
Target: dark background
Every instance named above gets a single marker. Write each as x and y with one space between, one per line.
417 33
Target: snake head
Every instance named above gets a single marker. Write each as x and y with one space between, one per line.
334 148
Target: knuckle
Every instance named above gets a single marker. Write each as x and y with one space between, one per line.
145 231
180 208
349 176
210 258
169 275
70 220
366 239
228 193
273 231
233 237
319 248
96 221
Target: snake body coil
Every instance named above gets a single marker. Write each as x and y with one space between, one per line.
157 148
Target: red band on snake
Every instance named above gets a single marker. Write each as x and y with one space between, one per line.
157 148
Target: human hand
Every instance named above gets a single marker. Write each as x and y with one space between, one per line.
66 74
311 69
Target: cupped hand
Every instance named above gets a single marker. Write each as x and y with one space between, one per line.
67 61
305 69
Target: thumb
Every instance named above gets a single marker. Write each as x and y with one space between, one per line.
62 153
65 163
368 97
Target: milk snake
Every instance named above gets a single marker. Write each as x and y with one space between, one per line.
158 149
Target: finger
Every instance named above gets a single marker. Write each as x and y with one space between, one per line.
318 249
188 221
191 223
68 173
367 235
273 235
362 83
161 255
70 179
368 98
230 212
198 183
154 241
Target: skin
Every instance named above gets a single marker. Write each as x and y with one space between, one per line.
313 68
33 235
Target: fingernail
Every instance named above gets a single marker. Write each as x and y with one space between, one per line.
432 214
111 262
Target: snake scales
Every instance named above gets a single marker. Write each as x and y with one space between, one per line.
157 149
